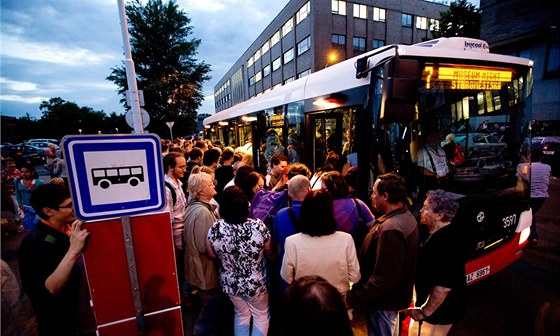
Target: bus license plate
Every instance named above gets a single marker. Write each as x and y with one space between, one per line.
484 271
548 152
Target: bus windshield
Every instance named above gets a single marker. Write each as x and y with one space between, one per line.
467 131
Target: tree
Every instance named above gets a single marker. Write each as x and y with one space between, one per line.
166 69
462 19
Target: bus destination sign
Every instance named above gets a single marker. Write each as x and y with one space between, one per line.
465 77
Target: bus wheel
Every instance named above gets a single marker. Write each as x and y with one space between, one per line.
133 181
104 184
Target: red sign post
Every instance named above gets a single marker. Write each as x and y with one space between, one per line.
138 296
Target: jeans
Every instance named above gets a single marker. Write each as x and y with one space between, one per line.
257 307
382 322
536 204
208 319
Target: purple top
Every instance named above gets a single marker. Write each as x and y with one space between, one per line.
347 216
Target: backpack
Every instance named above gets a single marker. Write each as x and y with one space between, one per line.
458 155
266 204
173 194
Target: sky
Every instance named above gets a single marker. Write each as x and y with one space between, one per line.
66 48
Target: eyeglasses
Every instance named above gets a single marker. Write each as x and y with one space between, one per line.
67 206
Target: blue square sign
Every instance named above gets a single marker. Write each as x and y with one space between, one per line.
114 175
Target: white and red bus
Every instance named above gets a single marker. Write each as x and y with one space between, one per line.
380 109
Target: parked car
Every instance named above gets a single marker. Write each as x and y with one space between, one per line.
54 141
42 144
550 148
481 144
33 154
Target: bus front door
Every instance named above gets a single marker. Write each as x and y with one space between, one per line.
326 136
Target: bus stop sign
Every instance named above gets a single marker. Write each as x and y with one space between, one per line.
114 175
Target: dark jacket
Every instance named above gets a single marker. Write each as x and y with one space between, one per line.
388 263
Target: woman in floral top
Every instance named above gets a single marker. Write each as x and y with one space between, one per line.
240 244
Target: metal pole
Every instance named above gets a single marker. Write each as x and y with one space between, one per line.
130 73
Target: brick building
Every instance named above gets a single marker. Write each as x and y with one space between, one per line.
304 36
528 29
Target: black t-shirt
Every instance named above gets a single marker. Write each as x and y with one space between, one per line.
40 253
441 262
223 175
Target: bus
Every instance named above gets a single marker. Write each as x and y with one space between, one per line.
388 109
105 177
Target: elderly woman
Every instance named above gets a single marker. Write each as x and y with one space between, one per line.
240 244
319 249
440 275
201 272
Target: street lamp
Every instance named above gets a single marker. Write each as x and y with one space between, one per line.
80 130
117 129
331 57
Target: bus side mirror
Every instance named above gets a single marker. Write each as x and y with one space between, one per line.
401 87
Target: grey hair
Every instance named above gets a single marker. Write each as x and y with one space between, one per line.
442 202
197 183
298 186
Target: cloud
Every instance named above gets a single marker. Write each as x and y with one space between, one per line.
15 47
17 85
21 99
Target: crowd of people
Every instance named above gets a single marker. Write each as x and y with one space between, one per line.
323 246
310 268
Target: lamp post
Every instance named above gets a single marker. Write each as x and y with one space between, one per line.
117 129
331 57
80 130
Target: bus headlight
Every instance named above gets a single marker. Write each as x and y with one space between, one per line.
524 225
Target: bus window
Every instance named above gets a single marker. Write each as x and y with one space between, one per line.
294 117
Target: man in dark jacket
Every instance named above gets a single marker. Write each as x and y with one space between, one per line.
387 258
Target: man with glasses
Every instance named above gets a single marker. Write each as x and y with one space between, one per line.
175 166
51 265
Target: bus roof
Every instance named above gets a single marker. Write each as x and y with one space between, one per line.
329 80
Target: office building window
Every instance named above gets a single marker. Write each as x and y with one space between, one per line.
360 11
251 81
265 47
421 22
407 20
338 41
359 43
276 64
291 79
257 55
434 24
266 71
258 77
250 61
288 26
303 12
289 56
339 7
378 14
304 73
304 45
377 44
275 39
276 86
553 60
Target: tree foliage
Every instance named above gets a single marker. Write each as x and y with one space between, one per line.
61 117
166 68
462 19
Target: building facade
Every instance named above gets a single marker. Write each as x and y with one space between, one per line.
309 35
528 29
